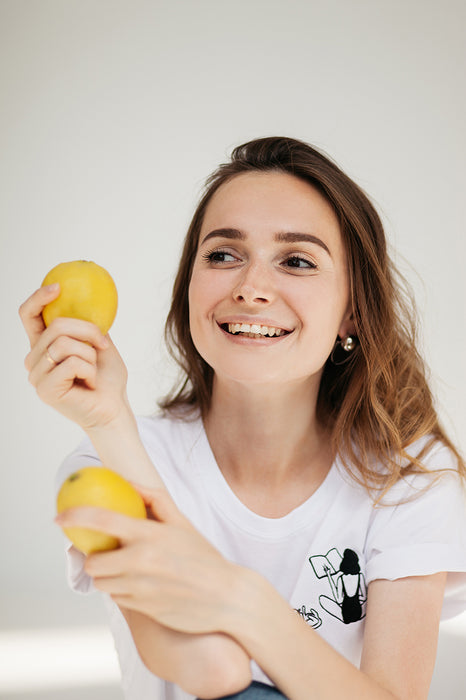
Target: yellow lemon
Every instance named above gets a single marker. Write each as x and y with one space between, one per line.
87 291
103 488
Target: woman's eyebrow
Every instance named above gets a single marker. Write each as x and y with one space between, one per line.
225 233
285 237
292 237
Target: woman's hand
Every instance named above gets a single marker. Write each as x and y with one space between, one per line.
167 580
164 568
72 366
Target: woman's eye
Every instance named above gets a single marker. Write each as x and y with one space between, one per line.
218 256
297 262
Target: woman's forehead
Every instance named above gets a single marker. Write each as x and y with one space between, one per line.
274 200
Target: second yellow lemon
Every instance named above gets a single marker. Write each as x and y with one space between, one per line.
102 488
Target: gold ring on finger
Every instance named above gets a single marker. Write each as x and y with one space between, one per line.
50 358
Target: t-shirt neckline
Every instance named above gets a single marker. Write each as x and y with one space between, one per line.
224 499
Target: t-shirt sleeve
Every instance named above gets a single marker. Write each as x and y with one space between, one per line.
84 456
423 534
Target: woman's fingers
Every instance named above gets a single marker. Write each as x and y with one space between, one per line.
68 344
134 560
106 564
31 311
73 328
115 585
160 503
58 351
56 382
161 506
56 361
123 527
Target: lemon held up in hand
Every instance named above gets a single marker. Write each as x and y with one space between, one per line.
87 292
102 488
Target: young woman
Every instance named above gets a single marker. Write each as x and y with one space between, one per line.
308 514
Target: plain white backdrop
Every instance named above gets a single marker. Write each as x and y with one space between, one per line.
113 112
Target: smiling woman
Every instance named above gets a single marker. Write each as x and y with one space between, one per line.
291 475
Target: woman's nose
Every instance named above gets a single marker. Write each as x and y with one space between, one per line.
254 286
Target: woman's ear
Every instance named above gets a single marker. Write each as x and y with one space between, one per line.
347 326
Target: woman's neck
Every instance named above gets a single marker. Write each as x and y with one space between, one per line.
268 443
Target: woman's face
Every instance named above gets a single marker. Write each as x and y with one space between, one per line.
269 291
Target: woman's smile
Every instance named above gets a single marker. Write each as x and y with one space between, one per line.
261 334
252 327
253 330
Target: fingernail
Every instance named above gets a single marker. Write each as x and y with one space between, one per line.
104 342
52 287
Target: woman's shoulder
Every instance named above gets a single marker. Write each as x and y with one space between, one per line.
433 452
434 471
427 463
432 459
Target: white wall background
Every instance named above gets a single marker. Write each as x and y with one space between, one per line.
112 114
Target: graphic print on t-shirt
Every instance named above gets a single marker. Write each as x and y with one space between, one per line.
346 597
347 587
310 616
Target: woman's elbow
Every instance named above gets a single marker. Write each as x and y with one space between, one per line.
225 675
221 685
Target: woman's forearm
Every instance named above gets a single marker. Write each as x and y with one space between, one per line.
120 448
300 663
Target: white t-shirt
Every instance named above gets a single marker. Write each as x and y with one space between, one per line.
320 557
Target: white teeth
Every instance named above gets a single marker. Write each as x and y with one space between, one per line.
254 329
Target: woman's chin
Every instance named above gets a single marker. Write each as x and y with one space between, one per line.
253 379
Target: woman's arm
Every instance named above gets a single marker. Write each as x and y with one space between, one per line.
205 665
401 634
400 642
151 572
120 448
336 588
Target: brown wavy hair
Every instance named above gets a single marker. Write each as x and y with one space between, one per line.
378 402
